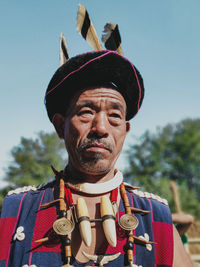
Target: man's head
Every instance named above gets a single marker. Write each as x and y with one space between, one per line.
90 100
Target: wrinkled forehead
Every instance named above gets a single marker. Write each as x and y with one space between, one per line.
92 95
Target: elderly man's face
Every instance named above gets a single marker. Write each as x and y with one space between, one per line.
94 130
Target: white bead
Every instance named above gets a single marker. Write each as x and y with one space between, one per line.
20 229
19 235
10 192
141 194
146 236
147 195
149 247
26 265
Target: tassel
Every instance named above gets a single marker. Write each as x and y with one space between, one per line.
63 50
86 28
112 38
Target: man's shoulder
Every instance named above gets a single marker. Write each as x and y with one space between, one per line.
30 188
146 195
157 206
26 194
150 196
23 189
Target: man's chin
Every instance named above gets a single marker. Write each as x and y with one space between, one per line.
92 157
96 167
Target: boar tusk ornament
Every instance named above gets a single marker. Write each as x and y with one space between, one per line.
101 259
84 222
108 220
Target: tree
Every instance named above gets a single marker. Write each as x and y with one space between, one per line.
172 153
32 159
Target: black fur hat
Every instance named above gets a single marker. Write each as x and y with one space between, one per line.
95 69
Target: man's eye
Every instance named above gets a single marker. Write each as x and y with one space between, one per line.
115 115
84 112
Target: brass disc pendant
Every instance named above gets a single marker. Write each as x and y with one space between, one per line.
128 222
63 226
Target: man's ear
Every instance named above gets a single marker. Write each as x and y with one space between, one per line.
127 126
59 123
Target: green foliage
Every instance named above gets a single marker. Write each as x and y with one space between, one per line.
32 159
3 193
172 153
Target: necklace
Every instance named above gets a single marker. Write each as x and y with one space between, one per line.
63 227
100 188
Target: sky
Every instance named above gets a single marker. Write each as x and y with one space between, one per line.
160 37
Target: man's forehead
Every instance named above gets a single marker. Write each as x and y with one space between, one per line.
91 95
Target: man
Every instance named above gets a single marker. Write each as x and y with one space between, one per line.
88 216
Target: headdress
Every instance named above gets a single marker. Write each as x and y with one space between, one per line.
94 69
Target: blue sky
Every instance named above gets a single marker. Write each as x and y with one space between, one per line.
161 37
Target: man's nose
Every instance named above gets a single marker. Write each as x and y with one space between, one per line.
100 125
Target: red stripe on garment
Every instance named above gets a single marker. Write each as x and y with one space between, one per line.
69 198
163 236
43 228
114 195
31 253
6 232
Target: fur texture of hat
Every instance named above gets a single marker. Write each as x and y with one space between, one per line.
95 69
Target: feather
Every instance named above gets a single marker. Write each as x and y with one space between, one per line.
63 50
111 37
86 28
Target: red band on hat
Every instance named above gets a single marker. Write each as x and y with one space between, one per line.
109 52
81 67
76 71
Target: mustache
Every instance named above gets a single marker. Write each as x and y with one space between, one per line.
91 142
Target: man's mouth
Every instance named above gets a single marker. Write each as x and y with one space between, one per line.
96 147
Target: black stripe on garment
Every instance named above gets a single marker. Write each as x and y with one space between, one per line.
86 25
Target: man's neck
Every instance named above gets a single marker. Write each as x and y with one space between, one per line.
75 176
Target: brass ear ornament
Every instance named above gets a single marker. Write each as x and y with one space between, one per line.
63 226
128 222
